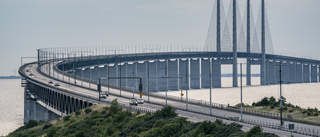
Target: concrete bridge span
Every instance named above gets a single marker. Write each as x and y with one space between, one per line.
185 70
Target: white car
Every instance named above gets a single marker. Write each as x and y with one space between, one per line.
140 101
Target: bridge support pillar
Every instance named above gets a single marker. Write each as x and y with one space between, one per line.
184 73
216 72
248 71
306 73
131 72
314 73
152 76
205 78
195 73
277 72
318 73
173 72
292 72
123 74
285 72
161 75
299 73
142 73
271 72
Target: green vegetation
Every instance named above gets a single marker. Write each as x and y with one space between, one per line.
114 121
272 105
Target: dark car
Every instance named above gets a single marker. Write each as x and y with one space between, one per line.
103 96
133 102
106 93
56 84
50 82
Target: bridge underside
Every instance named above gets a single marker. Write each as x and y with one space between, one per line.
187 70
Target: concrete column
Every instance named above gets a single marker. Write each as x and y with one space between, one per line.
124 74
318 73
248 71
95 73
306 73
205 72
314 73
271 72
130 73
299 73
26 106
292 72
161 75
184 73
113 73
173 72
152 76
285 72
195 73
235 46
85 73
277 72
216 72
142 67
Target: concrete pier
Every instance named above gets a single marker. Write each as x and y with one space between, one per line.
271 72
173 81
184 72
142 73
131 72
216 72
205 72
299 76
292 72
161 75
195 73
123 74
306 73
314 77
153 76
285 72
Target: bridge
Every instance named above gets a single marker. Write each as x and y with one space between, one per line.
78 70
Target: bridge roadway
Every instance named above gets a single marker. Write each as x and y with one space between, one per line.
154 105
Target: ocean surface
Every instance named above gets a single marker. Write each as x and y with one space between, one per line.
12 105
304 95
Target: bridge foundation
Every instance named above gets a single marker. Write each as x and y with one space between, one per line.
285 72
153 76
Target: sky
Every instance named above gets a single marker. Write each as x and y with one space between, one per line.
27 25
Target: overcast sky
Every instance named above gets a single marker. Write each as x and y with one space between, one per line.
26 25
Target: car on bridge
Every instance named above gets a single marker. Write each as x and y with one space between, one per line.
133 102
50 82
105 92
140 101
56 84
27 70
103 95
31 75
